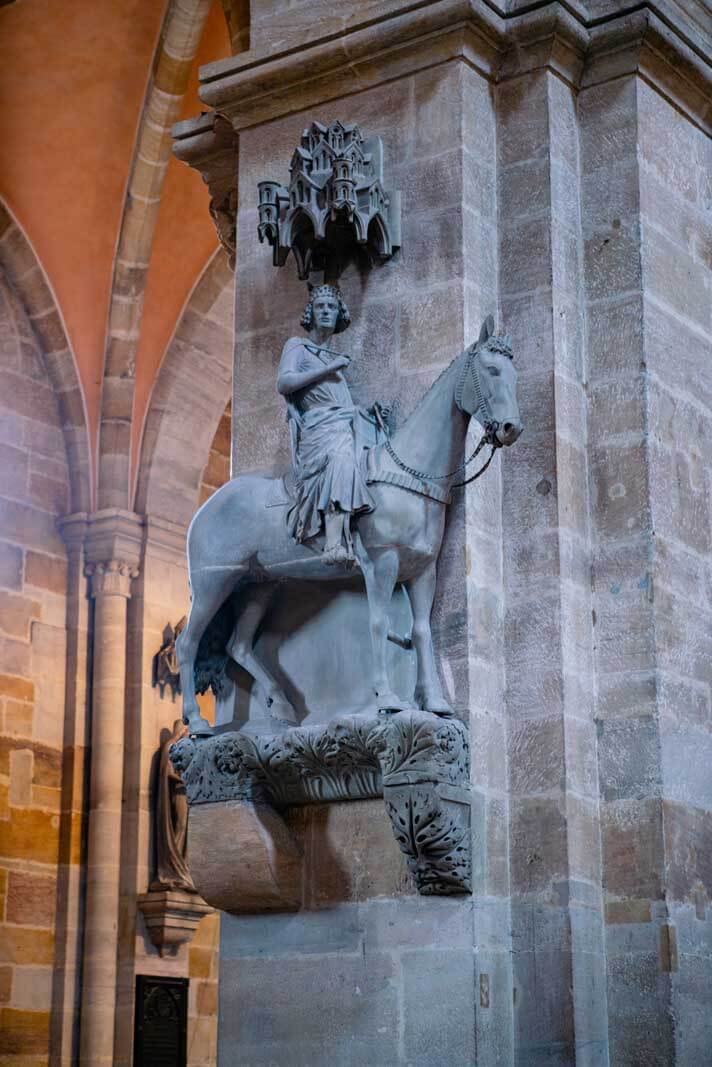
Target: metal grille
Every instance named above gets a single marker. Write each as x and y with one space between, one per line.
161 1021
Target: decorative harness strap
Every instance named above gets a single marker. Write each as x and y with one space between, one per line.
403 480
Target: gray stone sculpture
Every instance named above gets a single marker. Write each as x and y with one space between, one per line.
240 548
417 761
335 203
363 501
330 485
390 522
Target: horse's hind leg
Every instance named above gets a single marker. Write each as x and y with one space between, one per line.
210 589
240 646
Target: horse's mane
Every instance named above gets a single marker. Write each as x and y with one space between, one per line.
435 381
494 343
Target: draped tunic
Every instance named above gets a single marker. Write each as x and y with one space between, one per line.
321 420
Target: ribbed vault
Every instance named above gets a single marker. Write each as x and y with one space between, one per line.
25 273
188 400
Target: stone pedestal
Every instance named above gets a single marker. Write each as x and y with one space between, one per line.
241 852
171 917
553 165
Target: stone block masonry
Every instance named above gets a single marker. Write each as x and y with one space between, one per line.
554 167
39 818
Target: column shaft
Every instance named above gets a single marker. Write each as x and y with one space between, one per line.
113 550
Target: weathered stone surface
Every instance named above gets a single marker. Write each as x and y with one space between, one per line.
356 1020
243 857
595 617
416 760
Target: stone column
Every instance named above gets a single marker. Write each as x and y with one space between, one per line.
160 594
648 292
113 553
66 987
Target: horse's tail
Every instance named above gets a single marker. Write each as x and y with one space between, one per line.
212 659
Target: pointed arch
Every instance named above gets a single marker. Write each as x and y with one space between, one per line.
182 29
188 399
24 271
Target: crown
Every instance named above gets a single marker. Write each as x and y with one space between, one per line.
324 290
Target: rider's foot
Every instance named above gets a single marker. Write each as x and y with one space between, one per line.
335 554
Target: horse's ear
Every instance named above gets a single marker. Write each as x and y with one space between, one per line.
487 329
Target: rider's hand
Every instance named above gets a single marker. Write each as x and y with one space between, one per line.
340 363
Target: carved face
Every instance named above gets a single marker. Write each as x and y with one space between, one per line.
498 382
326 311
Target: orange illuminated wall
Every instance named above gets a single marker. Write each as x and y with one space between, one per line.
80 73
77 73
184 240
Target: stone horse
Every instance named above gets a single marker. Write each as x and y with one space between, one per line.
239 548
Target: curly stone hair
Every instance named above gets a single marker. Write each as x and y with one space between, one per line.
343 320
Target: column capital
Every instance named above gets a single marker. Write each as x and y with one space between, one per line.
114 549
111 577
73 529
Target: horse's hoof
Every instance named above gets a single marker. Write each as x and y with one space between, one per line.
199 727
388 702
281 709
436 705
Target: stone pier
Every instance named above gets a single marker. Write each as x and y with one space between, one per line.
553 166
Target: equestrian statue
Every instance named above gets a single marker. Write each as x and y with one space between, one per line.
363 498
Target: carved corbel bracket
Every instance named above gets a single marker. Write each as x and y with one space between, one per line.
208 144
416 761
172 917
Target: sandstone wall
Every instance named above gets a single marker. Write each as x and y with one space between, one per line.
410 318
570 192
40 803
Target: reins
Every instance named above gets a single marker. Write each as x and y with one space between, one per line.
488 437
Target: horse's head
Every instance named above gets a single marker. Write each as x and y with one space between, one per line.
487 389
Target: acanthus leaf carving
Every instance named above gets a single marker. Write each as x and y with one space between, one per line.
416 760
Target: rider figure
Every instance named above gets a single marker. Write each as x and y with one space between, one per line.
330 486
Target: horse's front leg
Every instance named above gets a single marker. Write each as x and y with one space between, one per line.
380 574
429 693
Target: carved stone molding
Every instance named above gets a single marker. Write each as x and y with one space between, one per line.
111 578
335 206
209 145
172 917
417 761
113 549
499 40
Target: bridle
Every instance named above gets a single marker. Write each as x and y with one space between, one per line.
483 413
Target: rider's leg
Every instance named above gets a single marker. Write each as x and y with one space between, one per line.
334 548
